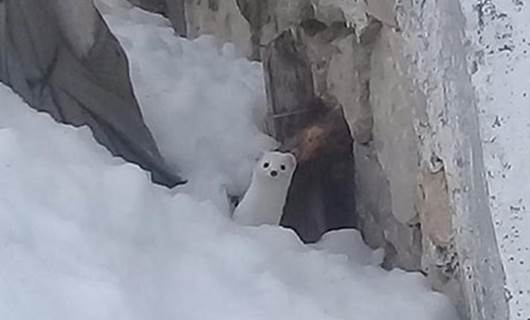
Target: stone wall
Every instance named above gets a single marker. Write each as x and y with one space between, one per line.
399 76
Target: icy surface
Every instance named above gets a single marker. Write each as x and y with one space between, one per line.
502 61
204 104
84 235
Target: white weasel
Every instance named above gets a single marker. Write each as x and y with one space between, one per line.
265 198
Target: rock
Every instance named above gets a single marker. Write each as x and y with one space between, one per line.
157 6
350 12
348 78
176 12
431 52
394 138
378 225
69 65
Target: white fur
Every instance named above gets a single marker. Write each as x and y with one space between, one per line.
265 198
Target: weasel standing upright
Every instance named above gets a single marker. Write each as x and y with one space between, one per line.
265 198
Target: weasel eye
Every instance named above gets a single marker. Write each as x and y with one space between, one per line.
282 167
266 165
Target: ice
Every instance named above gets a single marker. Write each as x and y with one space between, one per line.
84 235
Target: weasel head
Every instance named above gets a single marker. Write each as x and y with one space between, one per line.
275 167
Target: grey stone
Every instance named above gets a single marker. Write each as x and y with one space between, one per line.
394 136
75 70
383 10
379 227
176 12
432 55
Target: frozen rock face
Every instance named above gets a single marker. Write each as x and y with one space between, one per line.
394 138
400 77
175 10
61 58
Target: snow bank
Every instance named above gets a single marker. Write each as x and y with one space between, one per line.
204 104
87 236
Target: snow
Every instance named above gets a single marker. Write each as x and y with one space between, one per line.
502 37
353 12
349 242
87 236
203 103
84 235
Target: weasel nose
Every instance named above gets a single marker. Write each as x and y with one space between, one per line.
274 173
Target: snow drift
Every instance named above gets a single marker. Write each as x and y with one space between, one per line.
87 236
202 102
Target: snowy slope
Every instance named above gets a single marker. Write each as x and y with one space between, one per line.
84 235
87 236
502 80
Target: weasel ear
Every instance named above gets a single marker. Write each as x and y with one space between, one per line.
291 158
